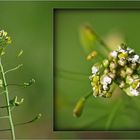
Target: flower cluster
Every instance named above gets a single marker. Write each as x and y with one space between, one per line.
4 39
122 68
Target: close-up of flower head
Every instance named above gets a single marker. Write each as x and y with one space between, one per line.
121 68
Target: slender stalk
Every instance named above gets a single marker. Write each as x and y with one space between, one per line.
113 114
13 69
4 117
7 100
101 41
88 94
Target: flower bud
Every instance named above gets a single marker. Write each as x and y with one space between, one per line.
79 107
129 71
113 65
105 63
123 73
108 94
112 75
122 84
133 66
122 62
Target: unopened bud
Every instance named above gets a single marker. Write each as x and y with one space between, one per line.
79 107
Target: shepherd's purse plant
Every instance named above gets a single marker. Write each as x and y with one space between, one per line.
119 67
5 41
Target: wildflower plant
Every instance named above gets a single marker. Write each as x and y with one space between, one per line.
5 41
120 68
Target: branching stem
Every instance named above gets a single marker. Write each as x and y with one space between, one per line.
7 100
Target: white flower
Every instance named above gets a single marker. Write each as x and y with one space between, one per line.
134 59
95 69
114 54
90 77
105 87
134 92
130 50
121 50
107 80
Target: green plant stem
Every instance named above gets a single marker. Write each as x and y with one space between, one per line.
101 41
7 100
112 115
4 117
88 94
13 69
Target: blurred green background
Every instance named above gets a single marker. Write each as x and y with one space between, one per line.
30 26
26 23
120 112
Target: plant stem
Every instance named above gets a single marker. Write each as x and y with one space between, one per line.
113 114
13 69
7 100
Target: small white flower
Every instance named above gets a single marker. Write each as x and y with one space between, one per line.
130 50
107 80
90 77
121 50
134 92
114 54
105 87
134 59
95 69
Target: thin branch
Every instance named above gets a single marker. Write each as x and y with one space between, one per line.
18 124
13 69
7 129
112 115
20 85
4 117
4 106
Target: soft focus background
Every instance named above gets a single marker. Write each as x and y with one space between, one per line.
30 26
120 112
26 23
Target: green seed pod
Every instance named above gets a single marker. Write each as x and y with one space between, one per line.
105 63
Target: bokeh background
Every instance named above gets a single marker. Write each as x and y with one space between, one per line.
26 23
120 112
30 26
